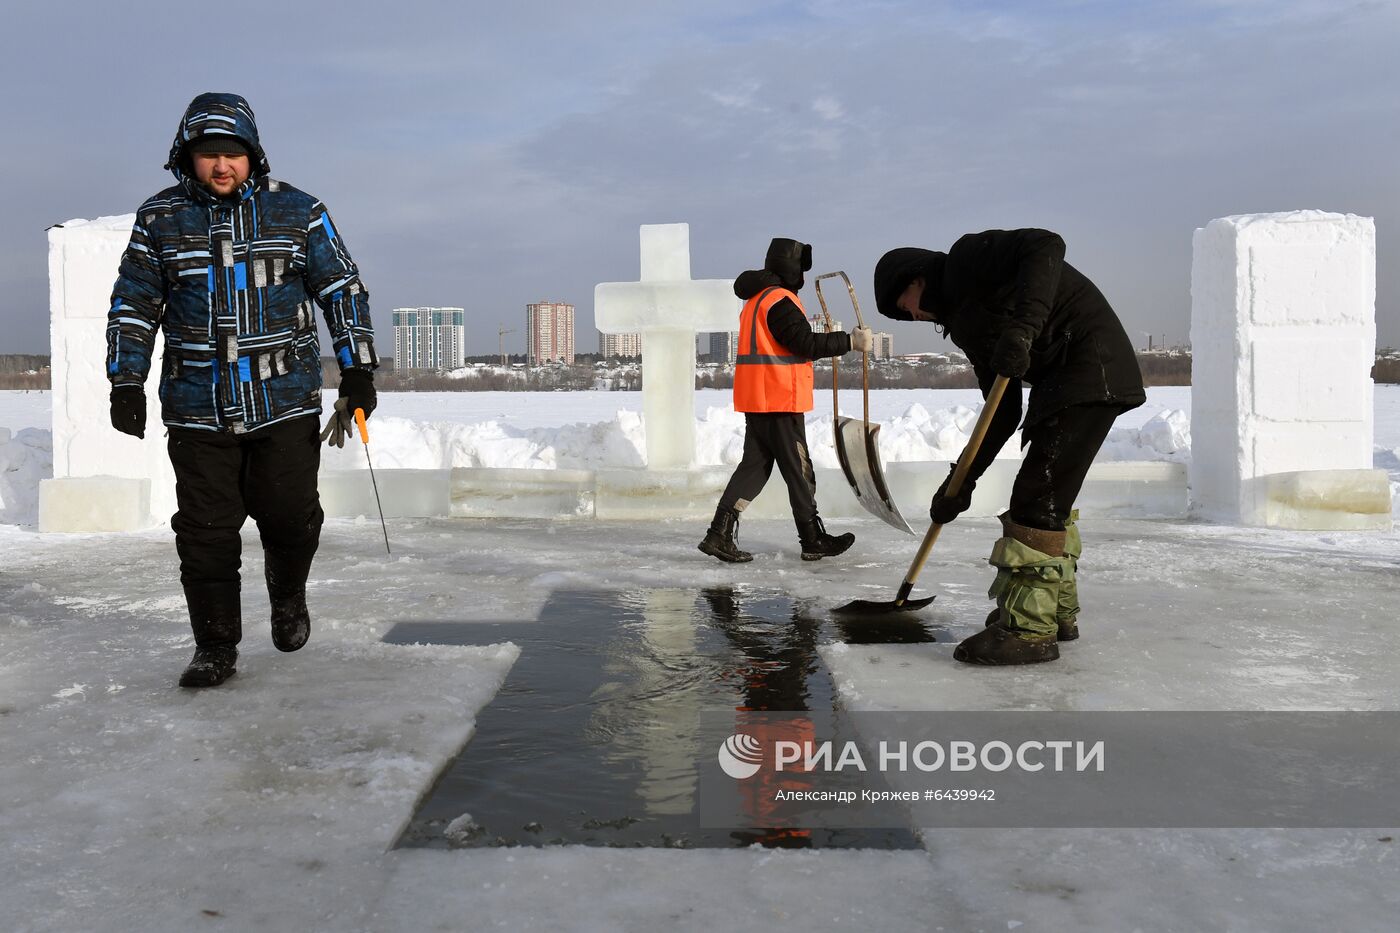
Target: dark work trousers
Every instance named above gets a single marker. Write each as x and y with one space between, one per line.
771 437
221 479
1058 453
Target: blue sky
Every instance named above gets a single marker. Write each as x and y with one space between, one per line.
489 155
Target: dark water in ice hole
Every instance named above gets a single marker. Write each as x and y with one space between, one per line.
580 745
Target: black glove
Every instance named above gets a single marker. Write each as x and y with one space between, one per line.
129 410
1011 357
944 507
357 388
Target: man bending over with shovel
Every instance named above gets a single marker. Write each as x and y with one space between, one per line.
773 388
1013 305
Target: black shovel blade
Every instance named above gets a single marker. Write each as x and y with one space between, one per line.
872 607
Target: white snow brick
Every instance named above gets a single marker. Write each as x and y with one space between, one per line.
402 493
519 493
1303 379
94 503
1283 335
83 259
1329 500
637 495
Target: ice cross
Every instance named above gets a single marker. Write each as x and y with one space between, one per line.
668 309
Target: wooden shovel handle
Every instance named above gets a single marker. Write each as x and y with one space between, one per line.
974 443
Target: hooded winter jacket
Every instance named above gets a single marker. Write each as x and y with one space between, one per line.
1000 280
232 283
772 320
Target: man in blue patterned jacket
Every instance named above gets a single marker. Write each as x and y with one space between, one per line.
231 265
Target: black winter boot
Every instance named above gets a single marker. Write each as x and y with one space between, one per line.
816 543
216 618
210 667
291 622
286 571
998 645
719 540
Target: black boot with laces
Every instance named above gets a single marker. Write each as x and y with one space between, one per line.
816 543
719 540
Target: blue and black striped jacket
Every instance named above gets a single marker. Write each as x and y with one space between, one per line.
233 283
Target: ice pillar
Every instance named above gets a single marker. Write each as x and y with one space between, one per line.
668 309
1283 339
103 480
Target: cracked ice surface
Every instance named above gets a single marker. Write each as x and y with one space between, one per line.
309 763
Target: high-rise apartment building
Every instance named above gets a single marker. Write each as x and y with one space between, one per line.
429 338
722 347
610 345
549 332
884 346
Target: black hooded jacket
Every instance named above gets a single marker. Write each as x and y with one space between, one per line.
786 321
1001 280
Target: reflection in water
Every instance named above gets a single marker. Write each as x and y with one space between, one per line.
595 740
775 665
883 630
655 667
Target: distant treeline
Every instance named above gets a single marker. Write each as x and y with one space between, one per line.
30 371
1386 370
1165 369
24 371
892 375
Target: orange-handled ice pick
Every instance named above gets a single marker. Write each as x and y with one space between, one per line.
364 439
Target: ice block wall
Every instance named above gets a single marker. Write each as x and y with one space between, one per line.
1283 338
83 260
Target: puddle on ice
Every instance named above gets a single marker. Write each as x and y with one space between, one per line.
591 741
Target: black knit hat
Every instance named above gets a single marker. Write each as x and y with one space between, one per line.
788 259
217 143
896 269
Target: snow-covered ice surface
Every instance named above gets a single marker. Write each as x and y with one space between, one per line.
126 803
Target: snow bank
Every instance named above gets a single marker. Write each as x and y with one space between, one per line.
603 430
400 443
916 434
1165 436
25 458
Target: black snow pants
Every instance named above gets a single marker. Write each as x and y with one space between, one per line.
1059 451
771 437
220 480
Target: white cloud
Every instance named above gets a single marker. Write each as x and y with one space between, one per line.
828 108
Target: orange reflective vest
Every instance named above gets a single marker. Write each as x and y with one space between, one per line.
767 377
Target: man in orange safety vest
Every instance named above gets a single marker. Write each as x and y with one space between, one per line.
773 388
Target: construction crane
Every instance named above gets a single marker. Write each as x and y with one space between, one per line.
501 337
